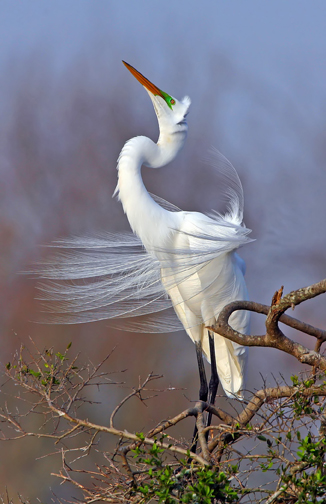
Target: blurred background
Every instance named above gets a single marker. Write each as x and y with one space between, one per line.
256 74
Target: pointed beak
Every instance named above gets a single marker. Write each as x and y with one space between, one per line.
145 82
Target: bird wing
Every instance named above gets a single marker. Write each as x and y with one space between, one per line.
203 274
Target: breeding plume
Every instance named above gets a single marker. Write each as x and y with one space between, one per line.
187 255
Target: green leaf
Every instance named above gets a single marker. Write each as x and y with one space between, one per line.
37 374
295 380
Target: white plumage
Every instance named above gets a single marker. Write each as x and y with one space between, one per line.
189 255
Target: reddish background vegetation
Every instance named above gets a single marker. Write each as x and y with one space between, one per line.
60 138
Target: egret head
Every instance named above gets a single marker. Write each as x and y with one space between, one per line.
171 113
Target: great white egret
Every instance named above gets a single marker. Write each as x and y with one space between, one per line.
188 255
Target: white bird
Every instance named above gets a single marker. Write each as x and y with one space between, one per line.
188 255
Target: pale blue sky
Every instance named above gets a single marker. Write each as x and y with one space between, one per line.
262 36
281 44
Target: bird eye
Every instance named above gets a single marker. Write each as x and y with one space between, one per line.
172 101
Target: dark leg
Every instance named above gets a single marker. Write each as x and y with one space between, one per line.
203 391
214 381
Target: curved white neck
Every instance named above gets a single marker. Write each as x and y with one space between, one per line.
147 219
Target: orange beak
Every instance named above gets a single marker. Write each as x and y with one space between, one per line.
145 82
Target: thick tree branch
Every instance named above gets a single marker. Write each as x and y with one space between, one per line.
276 393
202 437
274 337
259 399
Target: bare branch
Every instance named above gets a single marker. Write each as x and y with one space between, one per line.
274 337
136 392
201 434
120 433
276 393
55 387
